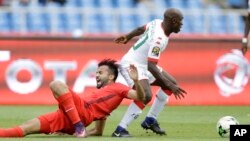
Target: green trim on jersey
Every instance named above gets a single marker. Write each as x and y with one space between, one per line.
139 44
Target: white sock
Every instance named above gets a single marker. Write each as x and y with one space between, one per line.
159 102
131 114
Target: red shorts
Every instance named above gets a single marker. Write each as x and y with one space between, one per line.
55 122
59 122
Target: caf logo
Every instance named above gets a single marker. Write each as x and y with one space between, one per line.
231 73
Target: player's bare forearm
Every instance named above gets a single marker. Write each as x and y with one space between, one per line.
169 77
159 76
125 38
136 32
247 26
166 83
244 47
139 90
98 129
92 132
133 73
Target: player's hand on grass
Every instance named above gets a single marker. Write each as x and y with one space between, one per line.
133 73
121 40
178 92
60 134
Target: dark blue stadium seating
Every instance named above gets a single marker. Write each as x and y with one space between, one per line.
4 22
39 20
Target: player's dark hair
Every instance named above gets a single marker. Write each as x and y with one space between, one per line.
172 13
113 66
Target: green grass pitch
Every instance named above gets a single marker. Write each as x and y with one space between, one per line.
182 123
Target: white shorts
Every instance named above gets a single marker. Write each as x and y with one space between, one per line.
143 73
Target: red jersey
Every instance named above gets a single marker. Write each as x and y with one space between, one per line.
104 100
91 107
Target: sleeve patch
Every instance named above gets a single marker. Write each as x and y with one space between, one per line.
155 51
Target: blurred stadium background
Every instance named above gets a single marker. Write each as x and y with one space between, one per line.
43 40
79 17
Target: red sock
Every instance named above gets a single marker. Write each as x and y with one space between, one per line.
168 92
139 104
67 103
11 132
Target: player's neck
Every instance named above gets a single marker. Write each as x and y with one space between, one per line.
165 29
109 83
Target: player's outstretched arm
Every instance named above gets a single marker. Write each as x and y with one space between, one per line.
125 38
139 94
98 129
245 39
166 82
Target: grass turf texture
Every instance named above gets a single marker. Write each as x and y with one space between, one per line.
182 123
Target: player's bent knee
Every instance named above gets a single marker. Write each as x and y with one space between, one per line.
54 84
58 87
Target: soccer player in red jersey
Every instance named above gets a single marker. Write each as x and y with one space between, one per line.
76 113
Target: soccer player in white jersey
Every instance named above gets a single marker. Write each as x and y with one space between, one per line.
246 32
145 54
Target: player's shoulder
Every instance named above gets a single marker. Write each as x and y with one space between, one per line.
154 24
116 84
158 20
119 86
155 21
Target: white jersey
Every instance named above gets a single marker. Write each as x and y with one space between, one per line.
149 46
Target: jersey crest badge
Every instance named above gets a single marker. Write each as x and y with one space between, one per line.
155 51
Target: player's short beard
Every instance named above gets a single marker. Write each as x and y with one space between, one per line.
103 83
99 86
